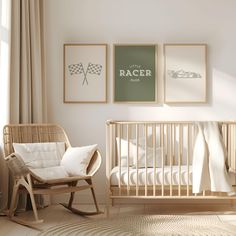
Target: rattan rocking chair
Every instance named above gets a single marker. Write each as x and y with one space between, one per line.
25 179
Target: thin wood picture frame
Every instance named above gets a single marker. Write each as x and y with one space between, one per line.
85 73
135 64
185 73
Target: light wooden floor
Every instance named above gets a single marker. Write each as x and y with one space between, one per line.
56 215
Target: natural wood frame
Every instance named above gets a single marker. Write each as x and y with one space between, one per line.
31 183
156 74
162 191
64 72
206 79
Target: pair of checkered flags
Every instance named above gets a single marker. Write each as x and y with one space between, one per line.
75 69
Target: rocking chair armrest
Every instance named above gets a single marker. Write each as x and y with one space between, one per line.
16 165
94 163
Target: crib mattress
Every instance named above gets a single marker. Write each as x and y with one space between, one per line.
183 180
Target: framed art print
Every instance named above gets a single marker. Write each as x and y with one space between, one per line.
85 72
134 73
185 73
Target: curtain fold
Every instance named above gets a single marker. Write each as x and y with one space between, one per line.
27 74
27 77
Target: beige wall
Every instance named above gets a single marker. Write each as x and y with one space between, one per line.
139 21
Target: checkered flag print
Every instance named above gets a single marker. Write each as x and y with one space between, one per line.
94 69
75 69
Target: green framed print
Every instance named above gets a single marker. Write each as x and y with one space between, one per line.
134 73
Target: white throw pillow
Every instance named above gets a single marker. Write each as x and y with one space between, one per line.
141 154
40 155
150 159
124 151
76 159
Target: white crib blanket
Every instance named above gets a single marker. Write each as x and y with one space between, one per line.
209 160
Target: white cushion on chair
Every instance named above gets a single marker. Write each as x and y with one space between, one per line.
76 159
51 173
40 155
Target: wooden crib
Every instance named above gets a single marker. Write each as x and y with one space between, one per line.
138 175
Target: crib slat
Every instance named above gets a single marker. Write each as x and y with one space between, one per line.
233 146
154 158
119 157
167 144
188 155
137 155
179 157
234 158
224 134
174 144
162 160
111 147
146 150
128 159
229 145
171 153
108 169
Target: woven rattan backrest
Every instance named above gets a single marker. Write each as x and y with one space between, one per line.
32 133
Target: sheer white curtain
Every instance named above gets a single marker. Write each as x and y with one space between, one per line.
4 93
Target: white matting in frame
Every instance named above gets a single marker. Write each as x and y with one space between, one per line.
85 67
185 73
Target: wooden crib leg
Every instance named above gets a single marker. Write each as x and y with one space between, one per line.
232 203
108 203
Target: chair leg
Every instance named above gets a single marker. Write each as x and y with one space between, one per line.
13 199
29 188
32 199
71 199
76 211
89 181
72 194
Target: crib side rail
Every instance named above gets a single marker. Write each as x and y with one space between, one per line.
154 159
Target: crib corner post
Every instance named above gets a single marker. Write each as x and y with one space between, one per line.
108 164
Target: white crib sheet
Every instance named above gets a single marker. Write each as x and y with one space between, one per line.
150 173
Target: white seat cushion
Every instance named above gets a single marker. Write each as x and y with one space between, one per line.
50 173
40 155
